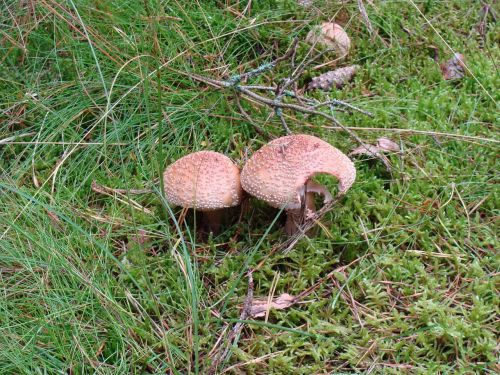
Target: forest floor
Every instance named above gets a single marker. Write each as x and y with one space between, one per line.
98 97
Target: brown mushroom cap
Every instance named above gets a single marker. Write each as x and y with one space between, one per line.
278 172
330 35
204 180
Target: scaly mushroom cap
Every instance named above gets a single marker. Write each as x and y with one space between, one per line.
204 180
278 171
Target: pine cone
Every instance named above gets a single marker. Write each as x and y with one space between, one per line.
335 78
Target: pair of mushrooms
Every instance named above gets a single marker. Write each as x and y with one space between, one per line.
279 173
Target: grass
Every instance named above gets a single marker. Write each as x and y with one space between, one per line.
94 284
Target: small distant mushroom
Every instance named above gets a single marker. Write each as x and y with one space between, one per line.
280 174
330 35
206 181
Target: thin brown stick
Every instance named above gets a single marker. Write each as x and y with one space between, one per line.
107 190
366 20
245 314
247 117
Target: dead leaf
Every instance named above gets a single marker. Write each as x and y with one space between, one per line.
336 78
54 219
383 145
454 68
366 149
140 238
261 305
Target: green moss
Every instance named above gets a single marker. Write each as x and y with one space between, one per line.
93 283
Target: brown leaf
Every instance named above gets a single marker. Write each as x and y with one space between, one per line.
261 305
383 145
54 219
366 149
454 68
335 78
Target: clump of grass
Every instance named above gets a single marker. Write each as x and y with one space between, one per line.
92 283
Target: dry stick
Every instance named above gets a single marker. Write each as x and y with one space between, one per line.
273 103
278 105
368 24
298 108
292 80
345 104
114 193
247 117
245 314
417 132
316 103
279 113
104 189
366 20
308 224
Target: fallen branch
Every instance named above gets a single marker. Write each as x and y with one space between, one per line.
280 91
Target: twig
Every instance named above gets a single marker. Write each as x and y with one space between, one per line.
245 314
298 108
368 24
418 132
279 113
236 79
274 103
366 20
308 224
120 196
277 103
345 104
104 189
318 283
280 91
247 117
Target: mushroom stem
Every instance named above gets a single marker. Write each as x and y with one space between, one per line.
296 217
211 221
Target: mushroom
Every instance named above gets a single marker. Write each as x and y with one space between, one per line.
206 181
332 36
280 174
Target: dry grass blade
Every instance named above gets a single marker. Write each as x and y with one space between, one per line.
223 351
119 196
